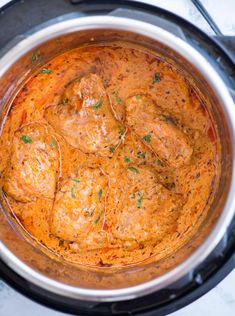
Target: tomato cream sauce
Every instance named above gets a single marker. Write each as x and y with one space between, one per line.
109 156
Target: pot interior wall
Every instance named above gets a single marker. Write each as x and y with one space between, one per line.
107 278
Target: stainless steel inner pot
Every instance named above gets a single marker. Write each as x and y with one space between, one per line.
109 284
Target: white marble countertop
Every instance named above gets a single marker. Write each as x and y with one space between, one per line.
220 300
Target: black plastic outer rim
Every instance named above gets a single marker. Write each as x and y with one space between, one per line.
76 307
67 305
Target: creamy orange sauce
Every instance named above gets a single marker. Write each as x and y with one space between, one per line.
109 156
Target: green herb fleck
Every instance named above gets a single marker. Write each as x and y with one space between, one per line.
97 105
127 159
138 96
118 99
121 130
139 200
100 194
46 71
141 155
54 144
112 149
133 196
26 139
98 217
76 180
160 163
169 119
133 169
36 55
147 138
157 77
73 194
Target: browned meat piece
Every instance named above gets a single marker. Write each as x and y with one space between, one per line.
84 117
143 208
158 131
34 164
79 209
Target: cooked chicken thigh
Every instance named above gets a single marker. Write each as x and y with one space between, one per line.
141 205
79 209
84 117
33 168
158 130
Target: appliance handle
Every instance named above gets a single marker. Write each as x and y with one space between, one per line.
228 44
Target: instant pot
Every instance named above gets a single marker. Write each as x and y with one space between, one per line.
152 288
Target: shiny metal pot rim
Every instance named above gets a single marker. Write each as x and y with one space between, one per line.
203 66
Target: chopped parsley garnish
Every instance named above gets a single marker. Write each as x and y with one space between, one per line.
121 130
160 163
169 119
97 105
100 194
147 138
133 169
157 77
118 99
127 159
35 55
26 139
98 217
46 71
112 149
141 154
53 144
73 194
139 198
76 180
